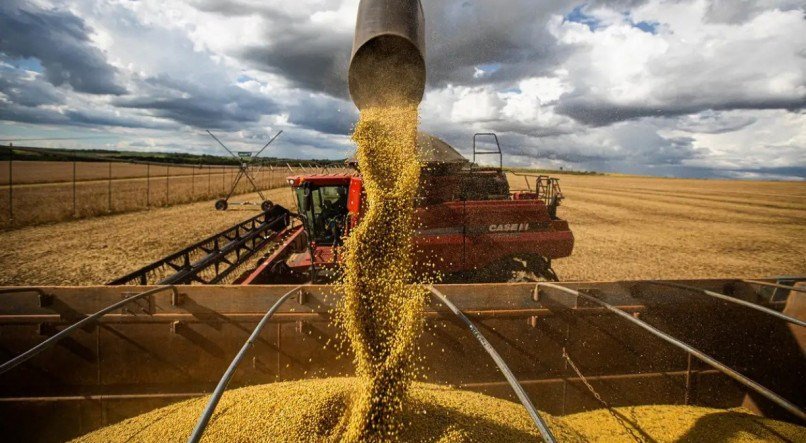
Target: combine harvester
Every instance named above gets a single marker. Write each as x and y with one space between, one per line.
75 359
473 228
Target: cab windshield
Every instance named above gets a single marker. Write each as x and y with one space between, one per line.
325 212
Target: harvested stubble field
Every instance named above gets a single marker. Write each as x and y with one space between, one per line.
629 227
626 227
96 250
43 190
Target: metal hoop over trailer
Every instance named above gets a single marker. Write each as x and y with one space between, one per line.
114 353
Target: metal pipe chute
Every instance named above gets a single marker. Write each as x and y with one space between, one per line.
387 65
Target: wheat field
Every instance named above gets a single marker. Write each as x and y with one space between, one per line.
629 227
43 191
626 227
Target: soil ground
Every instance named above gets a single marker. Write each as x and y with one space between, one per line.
626 227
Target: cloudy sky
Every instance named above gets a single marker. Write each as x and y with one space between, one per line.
700 88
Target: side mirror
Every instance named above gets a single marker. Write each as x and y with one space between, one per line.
307 199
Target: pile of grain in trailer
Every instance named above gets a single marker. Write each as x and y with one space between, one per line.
315 410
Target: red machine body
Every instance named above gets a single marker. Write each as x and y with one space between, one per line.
477 239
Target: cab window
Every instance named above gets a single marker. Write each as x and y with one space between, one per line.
326 212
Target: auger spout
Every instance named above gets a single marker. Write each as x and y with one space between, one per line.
387 66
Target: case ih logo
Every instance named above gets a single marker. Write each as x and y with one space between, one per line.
510 227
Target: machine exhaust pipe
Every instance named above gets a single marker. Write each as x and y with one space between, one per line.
387 65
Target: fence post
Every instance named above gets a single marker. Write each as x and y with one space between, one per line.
148 186
75 213
168 185
209 181
193 183
223 188
10 184
109 190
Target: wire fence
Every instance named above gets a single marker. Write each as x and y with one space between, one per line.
44 191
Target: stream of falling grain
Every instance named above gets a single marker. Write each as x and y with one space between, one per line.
381 311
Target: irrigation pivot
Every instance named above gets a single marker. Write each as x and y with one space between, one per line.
245 159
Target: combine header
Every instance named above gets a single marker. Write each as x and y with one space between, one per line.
215 259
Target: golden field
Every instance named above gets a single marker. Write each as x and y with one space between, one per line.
626 227
43 191
94 251
629 227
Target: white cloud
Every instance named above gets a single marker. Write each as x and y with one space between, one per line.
689 60
690 87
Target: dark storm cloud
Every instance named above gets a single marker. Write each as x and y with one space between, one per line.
28 94
80 118
27 89
460 37
635 144
311 56
309 59
225 107
710 122
106 118
557 155
324 114
25 114
58 39
236 8
593 112
786 171
509 34
531 130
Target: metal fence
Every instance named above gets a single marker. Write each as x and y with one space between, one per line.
81 186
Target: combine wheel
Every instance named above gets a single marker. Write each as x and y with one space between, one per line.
532 268
280 269
266 205
221 205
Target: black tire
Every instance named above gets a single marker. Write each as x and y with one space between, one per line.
221 205
266 205
280 269
532 268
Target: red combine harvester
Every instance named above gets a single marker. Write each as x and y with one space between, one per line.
471 227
